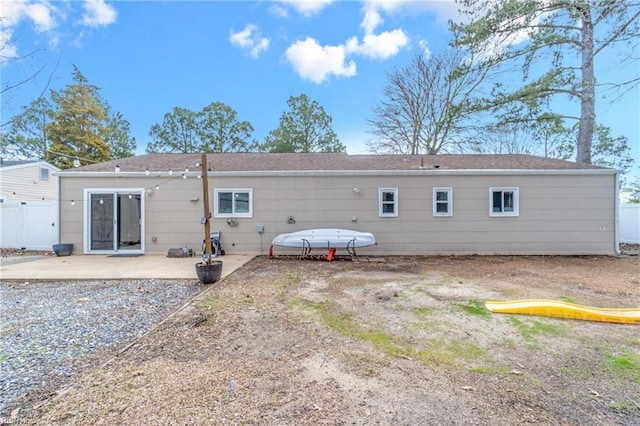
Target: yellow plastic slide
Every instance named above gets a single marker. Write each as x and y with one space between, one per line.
553 308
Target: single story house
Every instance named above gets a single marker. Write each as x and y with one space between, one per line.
424 204
28 204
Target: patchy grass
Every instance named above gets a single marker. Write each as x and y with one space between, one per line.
449 352
529 332
476 308
310 343
575 372
491 368
342 322
422 312
367 365
439 352
626 363
293 277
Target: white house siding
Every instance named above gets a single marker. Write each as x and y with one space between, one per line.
560 213
23 183
29 208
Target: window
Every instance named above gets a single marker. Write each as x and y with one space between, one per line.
388 200
503 201
233 203
442 201
44 173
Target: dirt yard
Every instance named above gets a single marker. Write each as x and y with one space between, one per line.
406 341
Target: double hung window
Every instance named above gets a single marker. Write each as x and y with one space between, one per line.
503 202
388 202
442 201
233 203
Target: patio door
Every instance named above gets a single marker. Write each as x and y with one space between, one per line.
114 221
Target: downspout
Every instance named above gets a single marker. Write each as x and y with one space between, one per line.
58 204
616 212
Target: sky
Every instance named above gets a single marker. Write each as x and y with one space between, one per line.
148 57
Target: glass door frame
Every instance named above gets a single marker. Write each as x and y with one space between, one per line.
87 228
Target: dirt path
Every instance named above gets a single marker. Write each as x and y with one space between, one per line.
407 341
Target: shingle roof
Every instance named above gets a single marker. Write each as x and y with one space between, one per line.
229 162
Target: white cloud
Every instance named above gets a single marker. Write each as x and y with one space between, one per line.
371 19
97 13
443 9
307 7
376 46
316 63
41 15
11 12
277 10
45 18
424 46
379 46
250 39
8 51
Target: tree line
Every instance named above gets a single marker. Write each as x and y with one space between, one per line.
519 76
75 125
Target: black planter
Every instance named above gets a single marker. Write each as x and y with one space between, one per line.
209 274
63 249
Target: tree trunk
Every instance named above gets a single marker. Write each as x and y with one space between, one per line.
588 99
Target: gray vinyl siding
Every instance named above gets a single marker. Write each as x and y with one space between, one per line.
559 213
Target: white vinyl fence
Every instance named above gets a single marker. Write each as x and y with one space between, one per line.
28 225
629 223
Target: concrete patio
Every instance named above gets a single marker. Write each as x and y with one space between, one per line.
80 267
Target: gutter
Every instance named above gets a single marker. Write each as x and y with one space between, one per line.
293 173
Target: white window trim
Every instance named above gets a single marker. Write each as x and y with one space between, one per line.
516 202
395 202
233 191
44 174
87 218
449 191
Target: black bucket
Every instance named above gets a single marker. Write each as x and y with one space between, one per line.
209 274
63 249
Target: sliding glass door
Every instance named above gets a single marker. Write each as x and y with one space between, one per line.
114 221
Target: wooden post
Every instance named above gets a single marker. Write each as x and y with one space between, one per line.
207 213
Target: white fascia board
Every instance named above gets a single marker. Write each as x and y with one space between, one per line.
423 172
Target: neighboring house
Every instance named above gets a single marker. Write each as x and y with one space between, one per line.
28 205
442 204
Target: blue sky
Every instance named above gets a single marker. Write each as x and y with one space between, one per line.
151 56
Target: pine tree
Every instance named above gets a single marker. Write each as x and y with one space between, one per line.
79 127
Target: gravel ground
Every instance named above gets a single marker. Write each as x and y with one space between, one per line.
51 329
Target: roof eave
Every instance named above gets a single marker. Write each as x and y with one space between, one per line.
32 164
415 172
